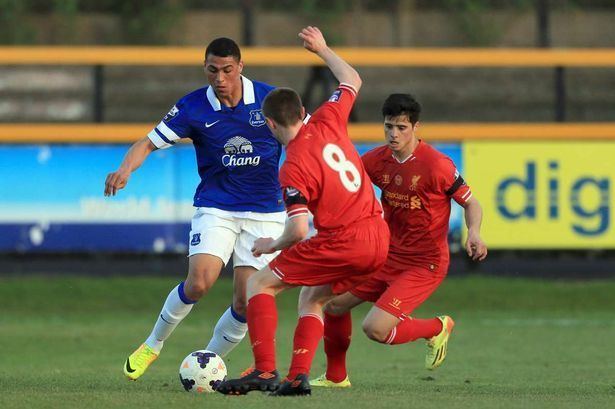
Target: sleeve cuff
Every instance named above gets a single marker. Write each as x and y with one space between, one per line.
297 211
348 87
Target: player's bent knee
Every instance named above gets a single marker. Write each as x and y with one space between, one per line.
313 299
375 333
310 306
334 308
309 295
195 290
202 274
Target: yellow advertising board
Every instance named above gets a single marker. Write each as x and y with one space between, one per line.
543 195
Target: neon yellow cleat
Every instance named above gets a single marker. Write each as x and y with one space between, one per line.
438 345
138 362
322 381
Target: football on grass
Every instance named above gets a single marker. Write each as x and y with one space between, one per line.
202 371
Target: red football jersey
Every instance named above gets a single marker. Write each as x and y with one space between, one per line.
323 166
416 197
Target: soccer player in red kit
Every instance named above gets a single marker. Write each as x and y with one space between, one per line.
417 184
323 173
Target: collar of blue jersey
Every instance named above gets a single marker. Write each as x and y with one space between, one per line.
248 94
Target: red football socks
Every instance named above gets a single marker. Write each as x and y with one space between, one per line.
307 336
262 324
412 329
338 330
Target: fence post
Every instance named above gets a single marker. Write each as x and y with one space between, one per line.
560 94
247 12
559 74
98 98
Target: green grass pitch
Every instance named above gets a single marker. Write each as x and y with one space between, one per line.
518 343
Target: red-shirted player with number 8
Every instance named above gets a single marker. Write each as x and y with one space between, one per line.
417 183
323 173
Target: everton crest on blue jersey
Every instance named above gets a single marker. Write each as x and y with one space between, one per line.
237 156
257 118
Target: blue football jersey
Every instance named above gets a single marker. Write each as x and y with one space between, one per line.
237 156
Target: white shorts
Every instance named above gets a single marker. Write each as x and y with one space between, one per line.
222 233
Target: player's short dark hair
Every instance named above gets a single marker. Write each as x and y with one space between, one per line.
283 105
402 104
223 47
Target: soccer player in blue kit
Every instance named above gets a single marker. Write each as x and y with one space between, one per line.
237 201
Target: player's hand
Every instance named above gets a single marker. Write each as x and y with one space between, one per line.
313 40
115 181
263 245
476 249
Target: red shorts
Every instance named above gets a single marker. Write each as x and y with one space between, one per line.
399 292
341 258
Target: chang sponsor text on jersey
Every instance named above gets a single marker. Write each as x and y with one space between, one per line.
239 152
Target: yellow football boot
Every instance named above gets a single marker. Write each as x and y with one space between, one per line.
322 381
438 345
138 362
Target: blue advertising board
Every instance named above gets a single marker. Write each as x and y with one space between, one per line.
51 199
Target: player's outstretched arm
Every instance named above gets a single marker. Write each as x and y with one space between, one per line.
314 41
475 247
133 159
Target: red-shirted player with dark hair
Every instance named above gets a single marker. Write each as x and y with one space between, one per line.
417 183
324 174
